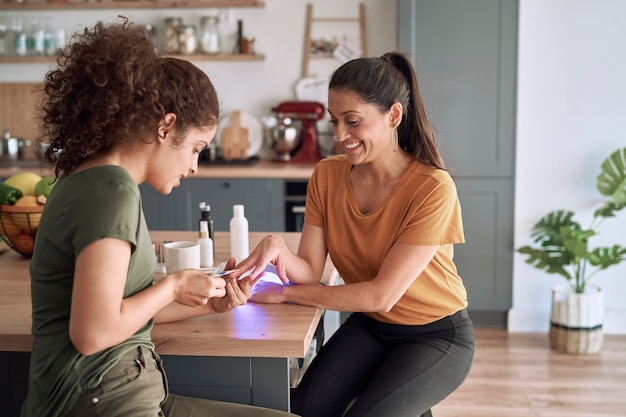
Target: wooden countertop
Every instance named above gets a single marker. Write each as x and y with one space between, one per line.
260 169
258 330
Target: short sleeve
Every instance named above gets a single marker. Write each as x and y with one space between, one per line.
436 219
107 209
314 202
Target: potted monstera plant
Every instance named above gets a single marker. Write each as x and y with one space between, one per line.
563 246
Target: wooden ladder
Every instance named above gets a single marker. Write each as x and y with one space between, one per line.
310 20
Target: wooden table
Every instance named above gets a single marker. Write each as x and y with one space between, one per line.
240 356
260 169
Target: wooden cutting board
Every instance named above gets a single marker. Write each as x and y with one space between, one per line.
18 109
234 139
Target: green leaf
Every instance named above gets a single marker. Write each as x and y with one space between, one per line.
611 181
608 209
547 230
551 261
605 257
576 240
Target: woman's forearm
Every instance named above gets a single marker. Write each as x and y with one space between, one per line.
360 297
176 311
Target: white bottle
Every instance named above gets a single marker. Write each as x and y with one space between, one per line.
206 246
238 234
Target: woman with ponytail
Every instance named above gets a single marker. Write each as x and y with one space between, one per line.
388 213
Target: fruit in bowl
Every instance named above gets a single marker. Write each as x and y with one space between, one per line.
18 225
24 181
22 199
27 213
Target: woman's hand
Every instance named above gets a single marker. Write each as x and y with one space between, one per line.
268 293
271 249
195 288
238 292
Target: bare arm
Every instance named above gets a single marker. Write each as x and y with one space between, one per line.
101 317
399 269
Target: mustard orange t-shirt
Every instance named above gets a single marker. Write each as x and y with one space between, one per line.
423 209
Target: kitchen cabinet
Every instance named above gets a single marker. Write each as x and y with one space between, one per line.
262 199
465 57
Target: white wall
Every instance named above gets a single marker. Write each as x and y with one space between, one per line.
570 116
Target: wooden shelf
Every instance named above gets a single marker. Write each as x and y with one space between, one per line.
128 4
194 57
221 57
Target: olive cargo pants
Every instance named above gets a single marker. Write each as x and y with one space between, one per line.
137 387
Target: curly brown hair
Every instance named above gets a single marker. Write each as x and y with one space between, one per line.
110 86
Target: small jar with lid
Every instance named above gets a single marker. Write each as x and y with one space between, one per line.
210 42
247 45
170 34
187 40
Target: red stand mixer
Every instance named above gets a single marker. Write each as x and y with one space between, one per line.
308 112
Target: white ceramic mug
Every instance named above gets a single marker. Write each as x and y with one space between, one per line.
181 255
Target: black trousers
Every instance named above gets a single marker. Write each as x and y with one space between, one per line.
374 369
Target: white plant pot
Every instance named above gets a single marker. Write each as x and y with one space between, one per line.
576 319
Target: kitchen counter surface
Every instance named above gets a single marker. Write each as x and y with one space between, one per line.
259 330
260 169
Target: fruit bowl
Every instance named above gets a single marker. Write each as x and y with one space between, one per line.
18 226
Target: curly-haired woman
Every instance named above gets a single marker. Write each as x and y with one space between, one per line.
116 114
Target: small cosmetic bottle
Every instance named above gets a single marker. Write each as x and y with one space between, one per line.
206 246
238 234
205 215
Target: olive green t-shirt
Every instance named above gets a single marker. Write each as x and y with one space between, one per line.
422 209
100 202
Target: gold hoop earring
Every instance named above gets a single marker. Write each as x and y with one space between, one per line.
394 140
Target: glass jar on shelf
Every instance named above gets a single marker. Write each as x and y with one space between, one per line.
187 40
247 45
170 34
20 44
210 42
50 43
152 33
5 31
35 37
